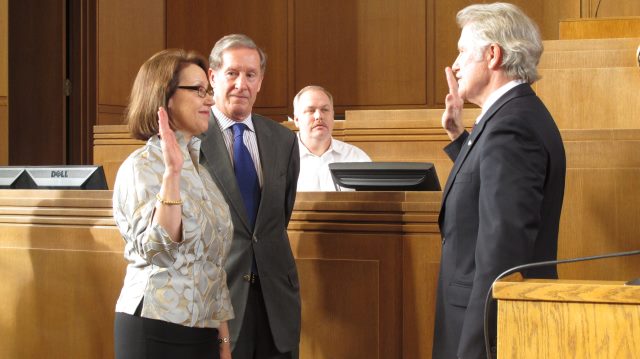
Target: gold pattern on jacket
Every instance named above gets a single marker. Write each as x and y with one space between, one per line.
182 283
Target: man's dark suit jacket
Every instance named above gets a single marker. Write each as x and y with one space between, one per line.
269 241
500 208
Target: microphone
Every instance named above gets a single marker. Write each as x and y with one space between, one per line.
488 299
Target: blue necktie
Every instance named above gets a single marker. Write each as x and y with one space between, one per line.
245 174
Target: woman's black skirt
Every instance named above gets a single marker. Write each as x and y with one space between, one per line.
137 338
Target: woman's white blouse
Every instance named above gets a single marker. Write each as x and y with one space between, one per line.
182 283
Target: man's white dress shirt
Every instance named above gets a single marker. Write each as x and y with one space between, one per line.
314 170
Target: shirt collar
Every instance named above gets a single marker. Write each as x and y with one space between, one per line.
180 137
495 95
334 146
192 146
225 122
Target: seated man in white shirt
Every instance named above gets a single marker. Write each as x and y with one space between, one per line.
313 116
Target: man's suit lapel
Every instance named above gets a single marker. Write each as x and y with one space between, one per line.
520 90
464 151
268 160
216 156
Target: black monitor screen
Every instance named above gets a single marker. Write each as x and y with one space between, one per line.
53 177
385 176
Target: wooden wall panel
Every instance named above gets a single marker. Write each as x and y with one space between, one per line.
554 11
591 83
197 25
129 32
367 53
600 205
4 48
61 250
600 105
603 167
376 252
370 54
37 105
588 53
29 312
82 61
62 264
600 208
4 132
421 265
599 214
4 82
445 47
65 34
599 28
609 8
334 308
447 33
112 145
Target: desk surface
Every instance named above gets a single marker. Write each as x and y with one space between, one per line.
588 291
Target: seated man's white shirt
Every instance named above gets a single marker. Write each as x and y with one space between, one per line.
314 170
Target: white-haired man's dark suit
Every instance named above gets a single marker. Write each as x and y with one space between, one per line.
500 208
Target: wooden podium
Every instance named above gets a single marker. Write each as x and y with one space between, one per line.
540 319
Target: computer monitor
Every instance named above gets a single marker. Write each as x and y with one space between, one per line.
53 177
385 176
13 177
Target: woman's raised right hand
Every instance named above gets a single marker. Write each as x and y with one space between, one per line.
171 153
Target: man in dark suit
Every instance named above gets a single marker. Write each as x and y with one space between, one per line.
502 201
262 275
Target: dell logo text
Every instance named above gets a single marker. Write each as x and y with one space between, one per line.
59 174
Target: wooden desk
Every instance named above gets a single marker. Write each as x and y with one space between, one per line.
599 213
368 264
539 319
62 268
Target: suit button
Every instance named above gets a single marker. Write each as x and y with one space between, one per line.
251 278
254 239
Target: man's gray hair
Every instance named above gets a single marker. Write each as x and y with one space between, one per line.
507 26
296 100
234 41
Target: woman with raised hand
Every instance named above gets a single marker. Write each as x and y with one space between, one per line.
175 222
